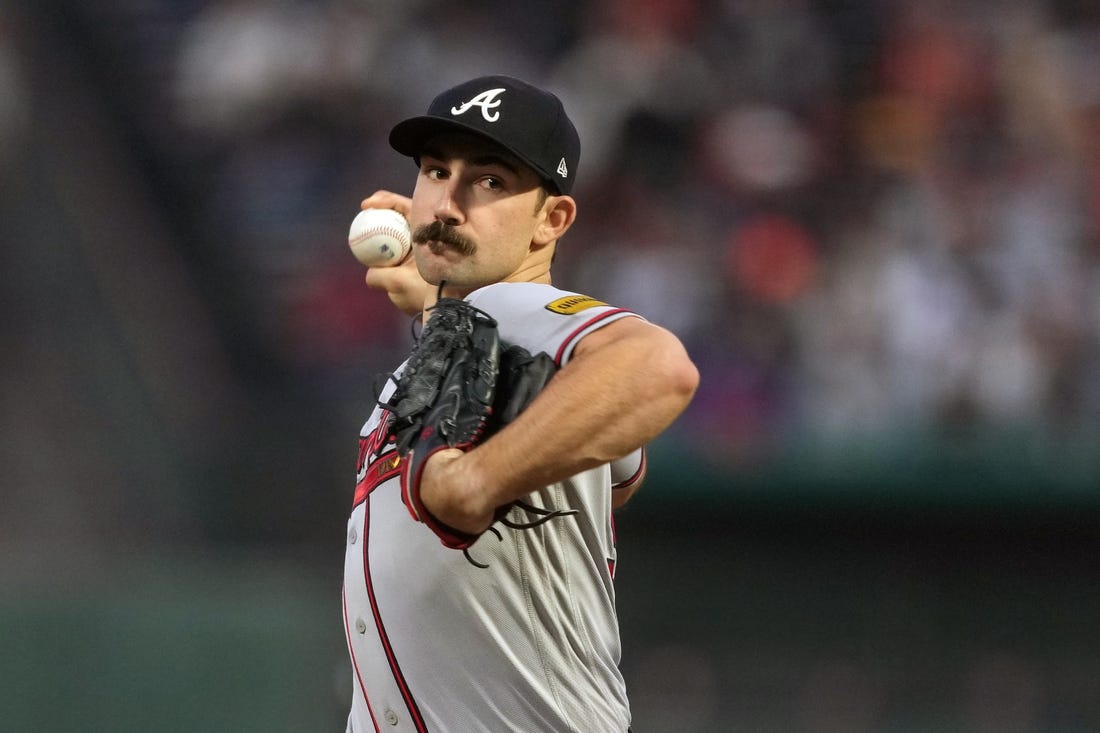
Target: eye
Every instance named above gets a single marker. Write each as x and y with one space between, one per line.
433 172
492 183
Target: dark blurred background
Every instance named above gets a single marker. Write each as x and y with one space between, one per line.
873 222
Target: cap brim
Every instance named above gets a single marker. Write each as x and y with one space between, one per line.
409 137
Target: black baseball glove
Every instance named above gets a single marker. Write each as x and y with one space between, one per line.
460 385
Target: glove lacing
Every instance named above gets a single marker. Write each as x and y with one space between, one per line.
543 516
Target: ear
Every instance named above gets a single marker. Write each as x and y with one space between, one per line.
558 214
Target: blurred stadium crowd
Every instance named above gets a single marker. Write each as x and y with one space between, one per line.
869 220
878 215
866 218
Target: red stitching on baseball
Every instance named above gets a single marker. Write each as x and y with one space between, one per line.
398 234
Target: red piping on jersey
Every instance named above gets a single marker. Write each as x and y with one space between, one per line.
381 469
587 324
376 440
354 661
383 637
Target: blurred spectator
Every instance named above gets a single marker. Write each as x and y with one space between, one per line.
243 64
635 57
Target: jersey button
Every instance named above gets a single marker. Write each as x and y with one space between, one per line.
353 536
360 626
391 717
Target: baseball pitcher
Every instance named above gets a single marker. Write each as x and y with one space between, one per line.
480 559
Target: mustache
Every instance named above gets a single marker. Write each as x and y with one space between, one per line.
444 234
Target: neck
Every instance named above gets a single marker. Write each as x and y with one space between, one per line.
534 269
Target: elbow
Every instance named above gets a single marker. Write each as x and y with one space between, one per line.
681 376
685 379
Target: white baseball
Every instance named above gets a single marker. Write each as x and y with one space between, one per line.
379 237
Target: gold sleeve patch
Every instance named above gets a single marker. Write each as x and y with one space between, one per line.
571 304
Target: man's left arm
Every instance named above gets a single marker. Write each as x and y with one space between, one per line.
623 386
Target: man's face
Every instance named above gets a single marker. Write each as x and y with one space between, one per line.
474 213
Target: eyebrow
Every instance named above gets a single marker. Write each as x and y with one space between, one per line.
485 160
476 159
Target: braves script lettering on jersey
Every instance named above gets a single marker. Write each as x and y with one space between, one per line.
530 643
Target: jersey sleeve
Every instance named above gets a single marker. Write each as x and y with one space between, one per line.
544 318
629 470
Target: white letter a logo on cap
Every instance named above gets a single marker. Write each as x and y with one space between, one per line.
563 169
486 100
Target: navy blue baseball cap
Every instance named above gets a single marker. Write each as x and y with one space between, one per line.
527 121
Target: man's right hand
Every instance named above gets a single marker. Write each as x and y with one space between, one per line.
402 283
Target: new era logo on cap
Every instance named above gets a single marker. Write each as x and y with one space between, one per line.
527 121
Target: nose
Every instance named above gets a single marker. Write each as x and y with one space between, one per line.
448 209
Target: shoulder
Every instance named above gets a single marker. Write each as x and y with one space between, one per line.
542 317
501 299
534 295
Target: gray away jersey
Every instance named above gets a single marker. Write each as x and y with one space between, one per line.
530 643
